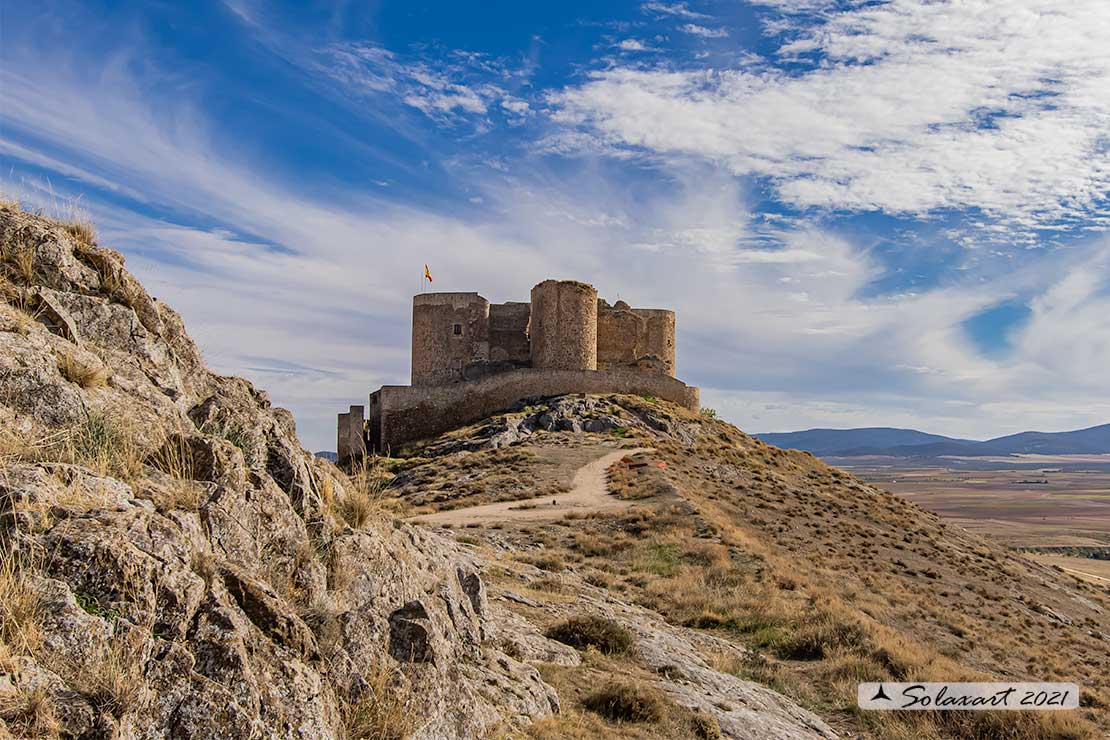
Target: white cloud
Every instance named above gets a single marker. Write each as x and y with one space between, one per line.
679 10
708 33
444 90
992 105
516 106
632 45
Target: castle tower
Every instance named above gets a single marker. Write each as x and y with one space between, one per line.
450 331
563 326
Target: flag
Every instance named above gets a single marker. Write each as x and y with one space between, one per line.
427 274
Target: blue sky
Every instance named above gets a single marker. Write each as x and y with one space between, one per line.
865 213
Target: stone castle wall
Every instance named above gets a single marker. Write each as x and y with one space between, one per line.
640 338
400 414
563 326
508 333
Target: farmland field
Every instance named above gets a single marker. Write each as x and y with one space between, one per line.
1049 503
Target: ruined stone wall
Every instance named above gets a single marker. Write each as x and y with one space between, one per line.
508 333
449 332
563 326
351 434
637 338
408 413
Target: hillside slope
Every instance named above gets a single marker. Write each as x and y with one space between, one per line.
802 577
174 564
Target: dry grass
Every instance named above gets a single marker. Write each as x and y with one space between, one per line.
106 445
81 228
605 635
14 446
10 293
829 582
102 444
471 478
115 685
86 375
174 458
25 311
570 725
624 702
614 697
384 710
361 495
17 262
21 607
30 713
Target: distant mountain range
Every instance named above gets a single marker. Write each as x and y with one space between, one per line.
889 442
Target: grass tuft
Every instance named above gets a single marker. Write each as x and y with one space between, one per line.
175 459
21 607
87 376
116 684
622 702
360 498
589 631
81 228
30 713
382 711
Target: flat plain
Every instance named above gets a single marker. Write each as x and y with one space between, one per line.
1056 502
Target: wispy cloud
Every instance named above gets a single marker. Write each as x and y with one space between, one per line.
678 10
709 33
447 90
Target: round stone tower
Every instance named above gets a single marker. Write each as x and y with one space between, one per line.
563 326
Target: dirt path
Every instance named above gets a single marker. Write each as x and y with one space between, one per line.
588 494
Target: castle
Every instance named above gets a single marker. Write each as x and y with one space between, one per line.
471 358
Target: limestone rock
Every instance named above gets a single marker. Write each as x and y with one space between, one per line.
196 577
741 708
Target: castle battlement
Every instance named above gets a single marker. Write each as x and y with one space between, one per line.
472 358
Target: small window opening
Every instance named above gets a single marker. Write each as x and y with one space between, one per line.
457 328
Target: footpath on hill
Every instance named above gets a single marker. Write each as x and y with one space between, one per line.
589 493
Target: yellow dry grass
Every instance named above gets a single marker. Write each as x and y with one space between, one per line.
114 684
174 458
17 262
30 713
21 607
385 710
81 228
88 375
360 495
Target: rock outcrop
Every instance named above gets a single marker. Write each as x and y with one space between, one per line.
176 565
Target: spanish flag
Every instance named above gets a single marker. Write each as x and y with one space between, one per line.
427 273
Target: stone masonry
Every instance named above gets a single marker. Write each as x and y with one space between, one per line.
471 358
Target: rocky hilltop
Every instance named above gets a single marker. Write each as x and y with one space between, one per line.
174 564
